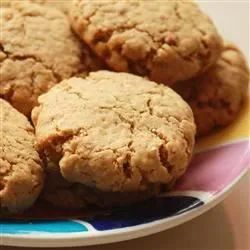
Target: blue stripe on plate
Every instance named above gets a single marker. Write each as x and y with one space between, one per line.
149 211
29 227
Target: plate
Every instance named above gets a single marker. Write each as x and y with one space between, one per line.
211 176
220 161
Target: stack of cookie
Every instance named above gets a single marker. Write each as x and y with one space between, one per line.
114 90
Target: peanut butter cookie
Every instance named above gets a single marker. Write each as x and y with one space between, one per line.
115 132
167 41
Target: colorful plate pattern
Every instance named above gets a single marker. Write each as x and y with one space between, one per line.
209 174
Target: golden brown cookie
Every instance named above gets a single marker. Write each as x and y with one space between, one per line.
21 172
217 96
37 50
167 41
115 131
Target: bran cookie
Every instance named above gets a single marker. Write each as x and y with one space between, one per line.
167 41
217 96
115 131
21 172
37 50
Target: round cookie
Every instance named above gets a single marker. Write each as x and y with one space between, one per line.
115 131
21 172
37 50
217 96
61 193
167 41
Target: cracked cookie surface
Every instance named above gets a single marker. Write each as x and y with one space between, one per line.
217 96
21 172
37 50
115 131
167 41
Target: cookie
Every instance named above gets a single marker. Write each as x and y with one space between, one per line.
63 194
115 132
21 172
167 41
37 50
217 96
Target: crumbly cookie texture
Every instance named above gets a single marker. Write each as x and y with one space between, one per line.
167 42
115 131
31 61
62 5
217 96
21 172
63 194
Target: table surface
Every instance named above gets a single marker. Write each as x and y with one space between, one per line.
227 226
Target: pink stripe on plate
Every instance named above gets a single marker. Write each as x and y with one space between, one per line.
213 170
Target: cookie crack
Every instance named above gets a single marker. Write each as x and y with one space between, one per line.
6 53
126 166
14 57
130 123
179 121
162 152
150 108
187 58
89 17
176 10
36 59
163 156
